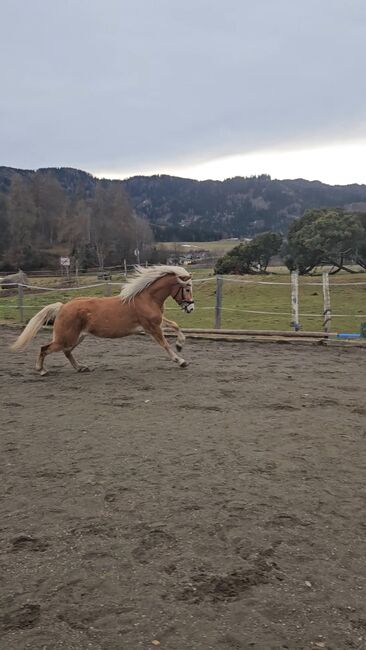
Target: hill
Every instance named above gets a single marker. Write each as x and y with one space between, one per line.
180 209
184 209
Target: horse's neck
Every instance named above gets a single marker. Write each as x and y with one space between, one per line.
161 289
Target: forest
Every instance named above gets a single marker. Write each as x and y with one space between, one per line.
98 222
41 219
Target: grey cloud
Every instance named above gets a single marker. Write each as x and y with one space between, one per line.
107 83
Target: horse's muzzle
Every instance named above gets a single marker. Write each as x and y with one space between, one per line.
188 306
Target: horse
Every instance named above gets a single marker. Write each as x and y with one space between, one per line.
15 278
139 307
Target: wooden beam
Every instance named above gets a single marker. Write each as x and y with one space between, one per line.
291 334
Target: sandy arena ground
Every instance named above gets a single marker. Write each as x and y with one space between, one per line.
217 507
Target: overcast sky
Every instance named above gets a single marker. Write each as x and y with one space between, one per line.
199 88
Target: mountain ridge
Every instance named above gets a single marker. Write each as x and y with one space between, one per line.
180 208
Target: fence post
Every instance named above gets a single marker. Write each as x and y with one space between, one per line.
77 272
107 289
125 268
326 302
20 303
295 300
218 304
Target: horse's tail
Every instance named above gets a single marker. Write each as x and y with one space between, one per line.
47 313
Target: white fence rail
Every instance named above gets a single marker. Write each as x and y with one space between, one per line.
294 312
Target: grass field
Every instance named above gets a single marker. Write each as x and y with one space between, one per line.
238 301
219 247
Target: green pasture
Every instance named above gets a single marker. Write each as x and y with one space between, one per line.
239 300
218 247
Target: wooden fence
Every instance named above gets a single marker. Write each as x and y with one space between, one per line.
294 313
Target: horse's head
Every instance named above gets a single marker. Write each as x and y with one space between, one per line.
182 292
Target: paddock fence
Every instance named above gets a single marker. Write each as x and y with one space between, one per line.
229 304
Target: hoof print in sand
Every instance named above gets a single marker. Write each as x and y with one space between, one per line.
19 619
110 497
28 543
230 586
152 542
98 529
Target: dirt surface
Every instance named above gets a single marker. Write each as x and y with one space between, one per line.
217 507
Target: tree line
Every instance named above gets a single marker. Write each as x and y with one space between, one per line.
40 220
324 237
54 212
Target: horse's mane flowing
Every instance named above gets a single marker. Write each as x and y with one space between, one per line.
146 276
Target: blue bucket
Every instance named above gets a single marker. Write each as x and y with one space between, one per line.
348 336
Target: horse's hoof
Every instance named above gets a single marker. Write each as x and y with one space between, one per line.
183 364
43 373
178 346
83 369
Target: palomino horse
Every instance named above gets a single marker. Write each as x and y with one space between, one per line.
138 307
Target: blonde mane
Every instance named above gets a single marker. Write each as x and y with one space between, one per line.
146 276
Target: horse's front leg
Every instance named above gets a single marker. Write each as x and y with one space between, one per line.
171 324
157 333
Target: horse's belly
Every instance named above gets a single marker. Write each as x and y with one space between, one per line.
110 331
113 330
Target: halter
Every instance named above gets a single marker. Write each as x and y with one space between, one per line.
183 303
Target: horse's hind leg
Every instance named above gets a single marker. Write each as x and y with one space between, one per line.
171 324
45 350
68 354
56 346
